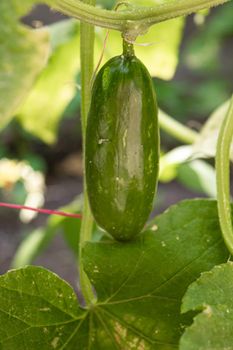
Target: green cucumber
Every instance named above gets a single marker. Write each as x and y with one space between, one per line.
122 146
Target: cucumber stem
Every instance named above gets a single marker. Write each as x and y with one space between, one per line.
139 18
223 177
176 129
87 64
128 48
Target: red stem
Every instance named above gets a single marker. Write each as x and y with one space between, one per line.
43 211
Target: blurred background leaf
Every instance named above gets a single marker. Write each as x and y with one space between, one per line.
35 242
56 86
206 144
23 55
203 79
198 176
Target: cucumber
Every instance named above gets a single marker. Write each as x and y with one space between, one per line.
122 146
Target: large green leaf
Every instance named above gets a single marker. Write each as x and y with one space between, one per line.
39 311
212 294
56 86
161 57
139 286
23 55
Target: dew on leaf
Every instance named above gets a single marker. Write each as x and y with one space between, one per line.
45 309
154 228
55 342
208 311
96 269
101 141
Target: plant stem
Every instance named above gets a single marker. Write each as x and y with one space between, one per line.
87 58
128 48
223 177
176 129
137 19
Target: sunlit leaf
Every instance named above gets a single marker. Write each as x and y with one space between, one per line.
38 310
23 53
55 88
139 286
211 295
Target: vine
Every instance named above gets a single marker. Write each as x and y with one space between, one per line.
176 129
223 177
87 63
137 20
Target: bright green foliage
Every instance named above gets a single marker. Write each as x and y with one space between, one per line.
39 311
212 294
139 286
20 8
23 55
161 56
55 88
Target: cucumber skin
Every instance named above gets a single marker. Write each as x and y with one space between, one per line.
122 147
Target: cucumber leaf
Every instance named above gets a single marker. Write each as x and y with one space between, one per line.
39 311
211 295
56 85
140 286
23 53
